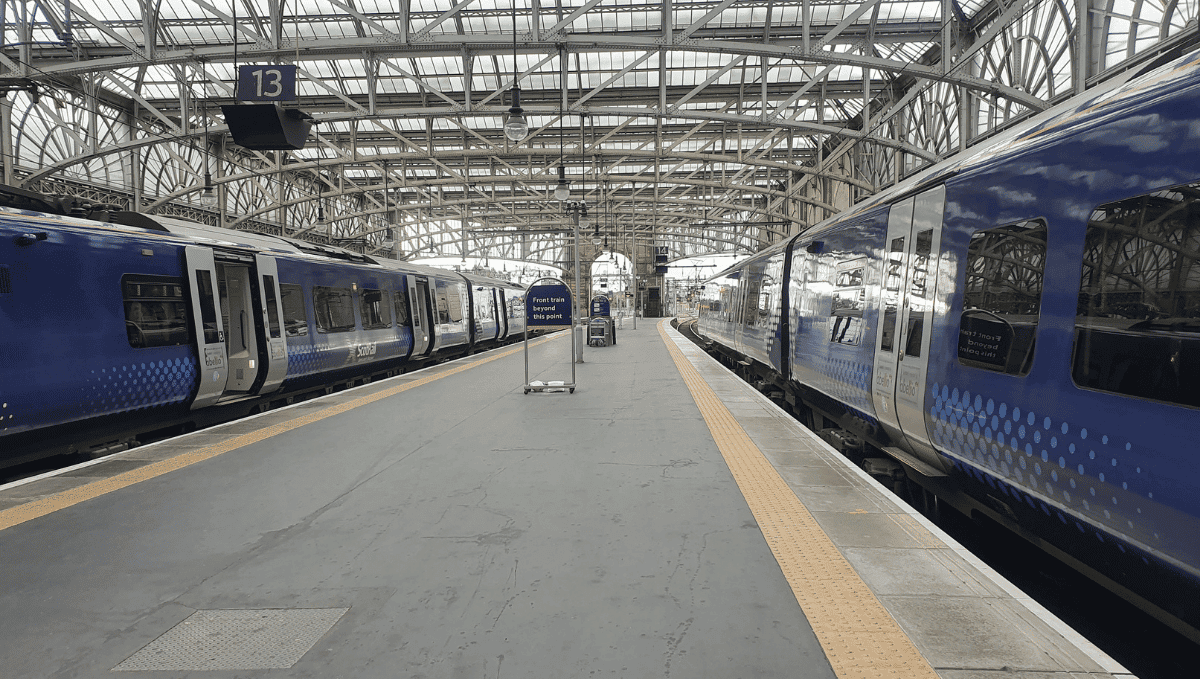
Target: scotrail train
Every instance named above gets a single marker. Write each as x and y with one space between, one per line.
111 332
1018 330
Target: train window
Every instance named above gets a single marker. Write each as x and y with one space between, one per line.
374 311
443 309
1137 324
849 300
454 303
1002 297
401 305
272 305
208 306
752 291
918 294
334 308
483 305
295 313
155 311
892 280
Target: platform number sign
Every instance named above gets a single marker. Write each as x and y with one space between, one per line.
267 82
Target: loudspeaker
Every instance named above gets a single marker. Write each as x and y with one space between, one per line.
266 127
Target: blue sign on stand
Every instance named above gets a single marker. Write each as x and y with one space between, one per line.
600 306
549 305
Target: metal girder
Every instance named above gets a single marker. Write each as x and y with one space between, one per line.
783 121
454 45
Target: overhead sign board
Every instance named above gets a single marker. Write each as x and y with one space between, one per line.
549 305
267 82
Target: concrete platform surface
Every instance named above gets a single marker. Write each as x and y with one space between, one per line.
445 524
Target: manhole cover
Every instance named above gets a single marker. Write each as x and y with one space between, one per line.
236 640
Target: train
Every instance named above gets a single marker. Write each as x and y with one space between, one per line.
1015 330
118 327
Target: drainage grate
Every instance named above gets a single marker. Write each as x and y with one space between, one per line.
236 640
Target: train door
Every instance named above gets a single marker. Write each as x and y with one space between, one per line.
906 309
210 338
418 292
237 309
272 306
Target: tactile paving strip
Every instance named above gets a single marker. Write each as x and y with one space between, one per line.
52 503
859 637
235 640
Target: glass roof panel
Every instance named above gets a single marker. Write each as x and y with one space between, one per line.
426 79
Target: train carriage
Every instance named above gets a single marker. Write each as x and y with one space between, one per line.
110 331
1019 329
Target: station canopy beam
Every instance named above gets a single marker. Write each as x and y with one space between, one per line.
708 126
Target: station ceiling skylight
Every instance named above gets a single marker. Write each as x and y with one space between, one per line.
746 112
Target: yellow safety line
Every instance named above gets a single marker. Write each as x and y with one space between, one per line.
860 638
51 503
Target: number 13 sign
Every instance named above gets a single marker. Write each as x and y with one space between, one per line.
267 83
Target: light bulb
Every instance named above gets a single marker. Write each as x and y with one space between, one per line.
517 127
208 196
596 240
584 222
562 191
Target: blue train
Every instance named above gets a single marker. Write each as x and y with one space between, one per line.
121 326
1016 330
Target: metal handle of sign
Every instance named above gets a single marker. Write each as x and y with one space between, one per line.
571 326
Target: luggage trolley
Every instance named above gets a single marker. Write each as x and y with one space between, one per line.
602 331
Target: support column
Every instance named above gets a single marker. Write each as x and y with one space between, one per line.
280 212
1082 56
6 148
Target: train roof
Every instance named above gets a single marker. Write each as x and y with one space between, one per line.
184 231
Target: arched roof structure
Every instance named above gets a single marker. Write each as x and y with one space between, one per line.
703 125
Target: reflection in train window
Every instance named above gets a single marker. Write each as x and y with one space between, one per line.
752 301
374 310
272 306
334 308
443 312
208 307
1137 324
1002 297
454 302
893 277
155 311
295 314
849 300
401 305
483 305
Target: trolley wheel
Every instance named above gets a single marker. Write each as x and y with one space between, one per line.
526 390
572 390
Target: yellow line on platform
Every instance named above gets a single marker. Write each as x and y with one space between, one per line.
860 639
51 503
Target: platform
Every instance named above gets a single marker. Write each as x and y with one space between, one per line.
665 520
